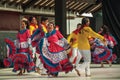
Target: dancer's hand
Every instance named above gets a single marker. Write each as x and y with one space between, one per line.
104 42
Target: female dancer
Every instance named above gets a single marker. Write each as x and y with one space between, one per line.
101 52
84 46
53 52
111 42
21 56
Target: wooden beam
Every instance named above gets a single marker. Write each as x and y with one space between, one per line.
86 8
50 3
12 2
28 4
70 4
96 8
83 6
87 1
19 3
37 3
76 8
77 3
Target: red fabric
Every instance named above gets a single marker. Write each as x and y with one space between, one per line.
110 38
55 37
64 65
6 62
13 47
20 58
22 61
23 50
76 31
55 48
23 37
113 40
26 51
108 53
59 34
31 66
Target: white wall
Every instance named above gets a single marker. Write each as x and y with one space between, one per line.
72 24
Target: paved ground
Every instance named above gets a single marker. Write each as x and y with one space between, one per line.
97 73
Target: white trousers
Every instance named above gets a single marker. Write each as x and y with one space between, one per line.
38 60
39 64
86 54
33 51
75 54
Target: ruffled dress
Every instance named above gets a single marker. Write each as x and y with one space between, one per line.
101 53
18 53
53 53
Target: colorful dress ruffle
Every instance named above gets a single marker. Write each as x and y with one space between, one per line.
53 53
101 53
19 55
11 50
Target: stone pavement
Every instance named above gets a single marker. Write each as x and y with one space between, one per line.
97 73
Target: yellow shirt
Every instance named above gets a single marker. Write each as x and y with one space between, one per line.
44 28
33 28
83 42
73 40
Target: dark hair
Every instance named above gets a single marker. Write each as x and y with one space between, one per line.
79 24
43 18
31 18
105 30
51 23
27 23
85 20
